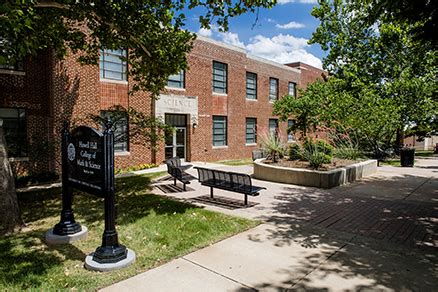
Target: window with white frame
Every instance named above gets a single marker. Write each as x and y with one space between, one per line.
177 80
219 131
292 89
15 131
251 131
112 65
219 77
251 85
290 134
273 89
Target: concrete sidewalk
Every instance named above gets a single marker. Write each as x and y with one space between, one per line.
377 234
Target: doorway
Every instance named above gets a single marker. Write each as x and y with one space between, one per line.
176 141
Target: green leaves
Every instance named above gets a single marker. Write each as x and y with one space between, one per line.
151 30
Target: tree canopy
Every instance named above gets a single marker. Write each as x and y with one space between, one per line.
382 76
152 30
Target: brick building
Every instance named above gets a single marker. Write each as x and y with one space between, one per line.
220 106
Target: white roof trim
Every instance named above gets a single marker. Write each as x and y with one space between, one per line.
272 63
243 51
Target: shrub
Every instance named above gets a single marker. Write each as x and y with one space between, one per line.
273 147
295 152
317 159
324 147
318 153
351 153
135 168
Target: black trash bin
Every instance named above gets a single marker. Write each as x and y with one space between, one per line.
407 156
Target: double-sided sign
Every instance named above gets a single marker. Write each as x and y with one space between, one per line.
88 165
85 160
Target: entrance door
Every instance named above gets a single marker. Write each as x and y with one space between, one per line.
176 143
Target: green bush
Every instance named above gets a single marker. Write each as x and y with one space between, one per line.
135 168
317 159
318 153
273 147
295 152
324 147
350 153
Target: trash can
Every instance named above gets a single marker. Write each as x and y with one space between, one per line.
407 156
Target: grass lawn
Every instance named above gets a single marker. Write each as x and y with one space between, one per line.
392 162
246 161
424 153
158 229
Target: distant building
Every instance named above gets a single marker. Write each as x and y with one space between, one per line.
220 106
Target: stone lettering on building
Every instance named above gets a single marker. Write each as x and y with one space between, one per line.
177 104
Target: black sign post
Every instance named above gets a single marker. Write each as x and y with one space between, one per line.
88 165
67 225
110 251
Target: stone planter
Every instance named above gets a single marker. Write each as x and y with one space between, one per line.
314 178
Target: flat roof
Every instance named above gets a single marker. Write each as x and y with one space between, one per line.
249 56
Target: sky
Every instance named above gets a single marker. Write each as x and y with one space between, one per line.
280 34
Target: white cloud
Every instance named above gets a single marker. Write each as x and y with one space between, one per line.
231 38
298 1
205 32
282 49
290 25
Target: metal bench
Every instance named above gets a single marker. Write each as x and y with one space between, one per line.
229 181
177 171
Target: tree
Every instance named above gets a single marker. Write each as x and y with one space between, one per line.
383 78
424 11
8 197
152 31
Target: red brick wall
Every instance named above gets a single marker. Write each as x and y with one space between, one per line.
234 105
53 91
308 73
31 92
78 93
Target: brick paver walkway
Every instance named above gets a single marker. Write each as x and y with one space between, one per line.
403 222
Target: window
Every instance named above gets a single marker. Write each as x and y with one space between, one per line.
290 135
219 131
14 128
273 127
120 129
251 85
251 134
292 89
177 80
112 66
219 77
273 89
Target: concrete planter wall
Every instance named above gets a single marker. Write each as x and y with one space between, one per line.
314 178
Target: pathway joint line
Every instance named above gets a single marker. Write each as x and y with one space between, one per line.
317 267
226 277
416 189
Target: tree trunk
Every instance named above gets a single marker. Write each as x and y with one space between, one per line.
9 210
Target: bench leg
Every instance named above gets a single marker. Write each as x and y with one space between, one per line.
211 192
246 200
174 181
184 187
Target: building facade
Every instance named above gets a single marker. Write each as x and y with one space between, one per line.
220 107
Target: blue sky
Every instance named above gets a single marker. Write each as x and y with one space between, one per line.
280 34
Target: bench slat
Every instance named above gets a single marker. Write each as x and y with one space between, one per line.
230 181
